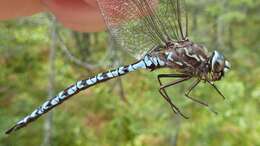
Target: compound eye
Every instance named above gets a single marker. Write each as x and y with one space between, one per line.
218 66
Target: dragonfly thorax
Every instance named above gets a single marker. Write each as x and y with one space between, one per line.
186 57
192 59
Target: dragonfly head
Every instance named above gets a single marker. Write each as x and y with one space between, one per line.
218 65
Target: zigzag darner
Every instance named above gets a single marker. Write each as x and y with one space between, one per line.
157 30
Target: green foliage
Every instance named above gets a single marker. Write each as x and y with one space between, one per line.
98 116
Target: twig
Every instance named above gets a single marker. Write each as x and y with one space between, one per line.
47 141
175 137
73 58
121 91
79 62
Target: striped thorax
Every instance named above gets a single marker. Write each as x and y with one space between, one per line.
193 60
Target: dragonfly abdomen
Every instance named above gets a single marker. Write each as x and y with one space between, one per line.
148 62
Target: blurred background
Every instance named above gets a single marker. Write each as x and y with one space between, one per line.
39 58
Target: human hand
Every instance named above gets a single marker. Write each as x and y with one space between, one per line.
79 15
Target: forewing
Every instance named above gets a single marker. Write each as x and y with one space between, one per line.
140 25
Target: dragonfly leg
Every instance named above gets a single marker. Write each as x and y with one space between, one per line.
187 94
216 88
167 98
170 76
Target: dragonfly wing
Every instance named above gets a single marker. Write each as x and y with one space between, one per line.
140 25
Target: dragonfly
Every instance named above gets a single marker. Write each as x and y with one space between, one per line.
156 33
